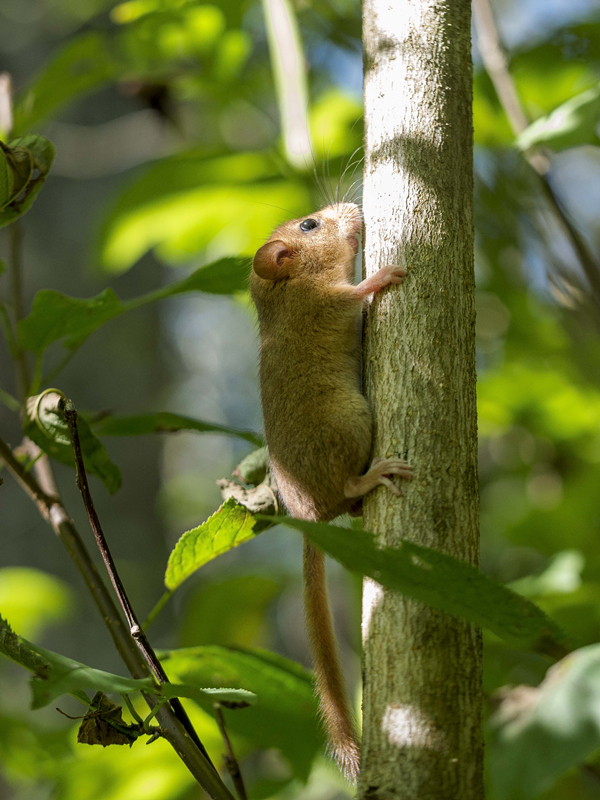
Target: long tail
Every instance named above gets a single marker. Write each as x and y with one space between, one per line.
330 681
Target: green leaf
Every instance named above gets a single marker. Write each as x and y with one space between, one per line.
42 150
165 422
56 316
28 161
6 179
286 714
440 581
45 424
66 676
540 733
228 527
571 124
226 276
80 67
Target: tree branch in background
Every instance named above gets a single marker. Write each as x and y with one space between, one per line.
496 63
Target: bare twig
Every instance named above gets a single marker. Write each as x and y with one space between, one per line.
496 64
135 628
231 761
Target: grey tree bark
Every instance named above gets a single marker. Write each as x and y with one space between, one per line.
422 668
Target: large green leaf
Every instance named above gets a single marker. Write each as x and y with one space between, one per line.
571 124
55 316
83 65
540 733
45 424
440 581
228 527
190 200
162 422
286 714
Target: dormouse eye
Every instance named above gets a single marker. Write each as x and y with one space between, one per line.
308 224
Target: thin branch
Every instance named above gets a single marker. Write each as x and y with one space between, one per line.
45 496
496 64
135 628
231 761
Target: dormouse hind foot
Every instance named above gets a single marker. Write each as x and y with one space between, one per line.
378 473
391 273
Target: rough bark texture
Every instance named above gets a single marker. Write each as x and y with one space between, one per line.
422 668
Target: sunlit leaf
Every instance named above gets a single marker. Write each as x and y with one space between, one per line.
187 202
228 527
285 716
45 425
573 123
540 733
438 580
165 422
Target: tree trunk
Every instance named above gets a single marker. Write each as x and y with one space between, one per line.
422 668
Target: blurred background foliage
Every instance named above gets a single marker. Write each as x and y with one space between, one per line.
172 151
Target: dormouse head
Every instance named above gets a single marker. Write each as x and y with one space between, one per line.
312 244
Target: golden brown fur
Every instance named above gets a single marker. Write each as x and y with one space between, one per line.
318 425
317 422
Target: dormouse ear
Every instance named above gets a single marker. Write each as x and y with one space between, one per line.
272 261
